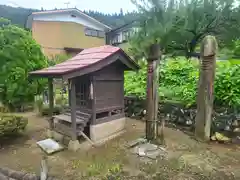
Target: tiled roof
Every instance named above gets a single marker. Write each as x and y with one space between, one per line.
85 58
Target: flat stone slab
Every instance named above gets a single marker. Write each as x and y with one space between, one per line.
136 142
154 154
50 146
149 150
148 147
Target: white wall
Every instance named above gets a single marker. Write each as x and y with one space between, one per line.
66 17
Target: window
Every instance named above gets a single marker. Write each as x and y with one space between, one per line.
101 34
82 94
94 33
135 29
116 39
126 35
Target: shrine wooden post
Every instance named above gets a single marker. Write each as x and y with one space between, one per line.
205 88
51 102
152 92
72 85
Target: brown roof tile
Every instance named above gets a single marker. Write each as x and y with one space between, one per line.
85 58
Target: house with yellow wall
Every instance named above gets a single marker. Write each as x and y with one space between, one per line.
66 31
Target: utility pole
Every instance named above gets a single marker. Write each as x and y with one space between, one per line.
205 88
67 3
152 92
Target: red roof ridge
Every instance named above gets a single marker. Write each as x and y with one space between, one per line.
83 59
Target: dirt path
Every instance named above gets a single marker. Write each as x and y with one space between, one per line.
186 158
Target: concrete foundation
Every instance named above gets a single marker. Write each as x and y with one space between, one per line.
49 133
58 137
73 145
103 132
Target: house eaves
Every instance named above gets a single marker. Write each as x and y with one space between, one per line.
59 11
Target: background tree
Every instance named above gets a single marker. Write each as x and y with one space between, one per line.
158 19
19 55
201 18
181 25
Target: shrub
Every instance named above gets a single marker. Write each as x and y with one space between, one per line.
178 81
46 110
227 85
11 124
3 109
236 50
19 55
39 104
61 100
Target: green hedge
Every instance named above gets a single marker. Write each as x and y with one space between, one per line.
12 124
178 81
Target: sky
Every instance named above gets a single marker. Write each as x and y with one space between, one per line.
106 6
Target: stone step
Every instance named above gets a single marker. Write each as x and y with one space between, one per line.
80 113
67 118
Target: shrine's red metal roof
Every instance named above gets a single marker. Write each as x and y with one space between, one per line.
84 59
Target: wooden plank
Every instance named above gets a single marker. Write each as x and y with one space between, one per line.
67 118
152 92
73 109
122 89
111 72
78 117
83 114
109 118
66 130
85 136
51 101
205 96
94 101
63 129
109 109
79 112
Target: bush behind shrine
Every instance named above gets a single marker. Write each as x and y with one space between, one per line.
19 54
178 81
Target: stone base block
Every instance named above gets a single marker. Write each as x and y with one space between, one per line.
66 140
102 141
74 145
103 132
49 133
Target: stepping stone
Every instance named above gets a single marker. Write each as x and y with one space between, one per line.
154 154
136 142
148 147
149 150
50 146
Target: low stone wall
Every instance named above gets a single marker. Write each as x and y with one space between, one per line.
224 120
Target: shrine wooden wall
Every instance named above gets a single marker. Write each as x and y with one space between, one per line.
109 87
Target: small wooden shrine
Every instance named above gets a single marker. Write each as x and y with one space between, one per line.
96 93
